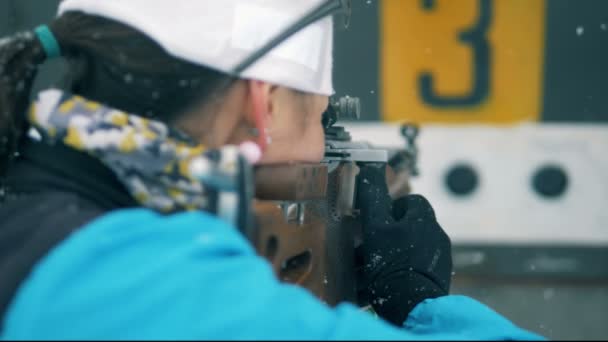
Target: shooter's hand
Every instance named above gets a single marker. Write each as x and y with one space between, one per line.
406 254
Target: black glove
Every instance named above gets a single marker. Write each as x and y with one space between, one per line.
406 255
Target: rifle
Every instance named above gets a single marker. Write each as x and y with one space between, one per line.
307 222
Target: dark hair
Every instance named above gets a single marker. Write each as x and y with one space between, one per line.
108 62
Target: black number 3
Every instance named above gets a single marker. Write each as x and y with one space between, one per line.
476 37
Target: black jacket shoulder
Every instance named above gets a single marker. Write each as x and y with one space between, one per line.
49 193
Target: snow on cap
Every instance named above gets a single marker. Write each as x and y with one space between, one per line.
220 34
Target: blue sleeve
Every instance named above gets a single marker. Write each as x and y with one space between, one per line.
134 274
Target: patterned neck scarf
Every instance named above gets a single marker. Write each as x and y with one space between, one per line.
161 167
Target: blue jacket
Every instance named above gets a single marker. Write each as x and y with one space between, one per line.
134 274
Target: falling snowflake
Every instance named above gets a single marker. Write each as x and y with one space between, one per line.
376 259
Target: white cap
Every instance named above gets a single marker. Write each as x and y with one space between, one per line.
221 33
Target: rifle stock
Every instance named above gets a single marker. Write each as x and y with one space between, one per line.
304 234
307 223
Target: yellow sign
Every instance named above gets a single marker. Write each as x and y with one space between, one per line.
462 61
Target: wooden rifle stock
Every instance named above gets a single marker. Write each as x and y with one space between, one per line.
306 221
306 227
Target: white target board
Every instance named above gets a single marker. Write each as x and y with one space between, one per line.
522 184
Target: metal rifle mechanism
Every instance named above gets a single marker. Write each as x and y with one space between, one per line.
306 218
